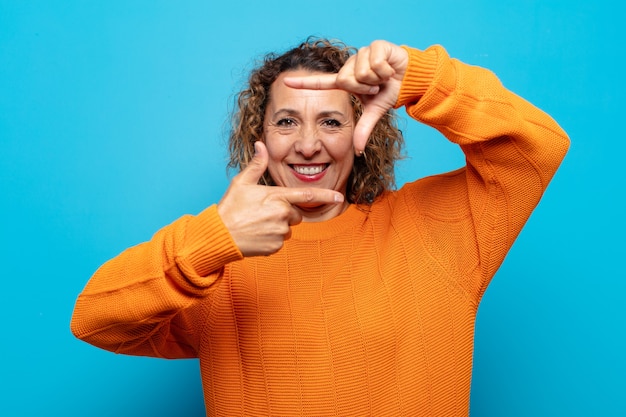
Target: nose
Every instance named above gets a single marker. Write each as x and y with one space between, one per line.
308 142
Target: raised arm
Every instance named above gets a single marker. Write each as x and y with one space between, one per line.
512 151
140 301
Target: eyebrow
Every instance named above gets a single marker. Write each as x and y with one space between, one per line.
292 112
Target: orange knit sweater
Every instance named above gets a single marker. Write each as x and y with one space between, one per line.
370 313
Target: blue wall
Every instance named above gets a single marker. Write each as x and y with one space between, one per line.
111 125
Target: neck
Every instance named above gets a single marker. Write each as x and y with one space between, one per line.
323 212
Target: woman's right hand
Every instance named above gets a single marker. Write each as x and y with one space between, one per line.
258 217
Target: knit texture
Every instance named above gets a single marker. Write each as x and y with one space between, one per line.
368 314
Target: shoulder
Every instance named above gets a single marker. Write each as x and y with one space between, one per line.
442 196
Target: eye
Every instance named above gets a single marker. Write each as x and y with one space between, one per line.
331 123
286 122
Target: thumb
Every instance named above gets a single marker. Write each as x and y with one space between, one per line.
257 166
365 126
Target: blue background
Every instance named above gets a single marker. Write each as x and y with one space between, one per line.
112 121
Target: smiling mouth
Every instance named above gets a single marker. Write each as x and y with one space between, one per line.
309 169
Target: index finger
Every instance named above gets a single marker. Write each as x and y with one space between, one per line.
310 195
313 82
331 82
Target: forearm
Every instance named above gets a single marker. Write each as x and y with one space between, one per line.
468 104
139 302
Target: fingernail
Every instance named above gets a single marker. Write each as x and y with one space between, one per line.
256 147
339 198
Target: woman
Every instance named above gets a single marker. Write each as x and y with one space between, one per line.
365 300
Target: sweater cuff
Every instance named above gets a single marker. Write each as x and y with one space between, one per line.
419 75
208 247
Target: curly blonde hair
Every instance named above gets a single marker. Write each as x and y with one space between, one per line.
372 173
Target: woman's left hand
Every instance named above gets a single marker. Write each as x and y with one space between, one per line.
374 74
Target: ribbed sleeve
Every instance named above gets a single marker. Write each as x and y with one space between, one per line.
208 247
419 75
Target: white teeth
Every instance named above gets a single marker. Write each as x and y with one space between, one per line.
309 169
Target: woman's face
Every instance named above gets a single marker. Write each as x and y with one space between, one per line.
308 134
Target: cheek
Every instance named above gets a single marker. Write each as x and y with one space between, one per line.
277 150
340 146
277 146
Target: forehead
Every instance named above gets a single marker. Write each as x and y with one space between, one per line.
281 95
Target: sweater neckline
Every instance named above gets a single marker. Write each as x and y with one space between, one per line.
351 217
